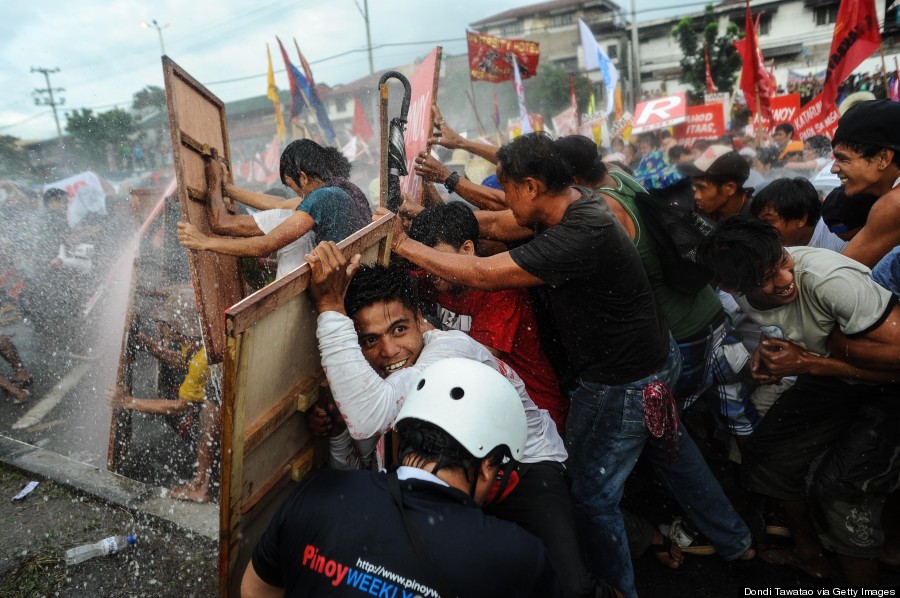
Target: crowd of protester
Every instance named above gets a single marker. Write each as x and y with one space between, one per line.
625 301
633 297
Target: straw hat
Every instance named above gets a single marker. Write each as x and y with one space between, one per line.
477 169
459 158
853 99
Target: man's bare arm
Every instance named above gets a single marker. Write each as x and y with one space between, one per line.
880 234
484 273
298 224
878 349
260 201
445 136
501 226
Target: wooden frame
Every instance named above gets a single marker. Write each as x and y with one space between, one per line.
158 216
197 125
271 376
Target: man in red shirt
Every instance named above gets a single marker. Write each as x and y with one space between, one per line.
502 321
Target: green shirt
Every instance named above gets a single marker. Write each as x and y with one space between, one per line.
688 315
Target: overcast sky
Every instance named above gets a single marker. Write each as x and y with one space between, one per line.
104 55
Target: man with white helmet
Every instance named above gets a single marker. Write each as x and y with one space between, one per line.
374 342
416 530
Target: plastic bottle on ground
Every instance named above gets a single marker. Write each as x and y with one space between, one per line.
109 545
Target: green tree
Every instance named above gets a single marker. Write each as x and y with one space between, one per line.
548 93
724 60
151 96
13 159
97 133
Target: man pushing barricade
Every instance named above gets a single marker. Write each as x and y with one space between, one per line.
617 342
418 526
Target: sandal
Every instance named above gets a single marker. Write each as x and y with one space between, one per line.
664 550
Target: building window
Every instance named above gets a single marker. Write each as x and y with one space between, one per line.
612 51
826 15
340 104
561 20
512 28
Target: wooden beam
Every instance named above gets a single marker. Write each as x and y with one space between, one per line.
253 308
300 398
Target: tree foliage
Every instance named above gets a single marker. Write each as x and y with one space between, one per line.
151 96
13 159
724 60
97 133
548 93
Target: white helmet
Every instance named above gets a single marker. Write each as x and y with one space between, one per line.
471 402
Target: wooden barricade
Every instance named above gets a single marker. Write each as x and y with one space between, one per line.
271 376
197 124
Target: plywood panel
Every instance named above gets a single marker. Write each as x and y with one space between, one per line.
271 373
197 125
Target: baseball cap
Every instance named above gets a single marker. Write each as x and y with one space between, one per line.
790 148
876 122
718 161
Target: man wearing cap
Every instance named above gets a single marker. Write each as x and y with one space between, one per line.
416 530
719 174
867 160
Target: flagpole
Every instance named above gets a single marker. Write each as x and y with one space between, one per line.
306 100
475 107
883 69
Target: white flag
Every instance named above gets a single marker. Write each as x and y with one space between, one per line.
596 58
520 91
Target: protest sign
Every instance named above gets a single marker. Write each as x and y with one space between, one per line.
660 113
423 82
490 58
703 122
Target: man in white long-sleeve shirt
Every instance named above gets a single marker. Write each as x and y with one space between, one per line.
374 344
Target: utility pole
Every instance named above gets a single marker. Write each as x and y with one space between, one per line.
635 54
364 11
50 100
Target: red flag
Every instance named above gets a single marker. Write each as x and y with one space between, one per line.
306 67
755 81
710 84
491 58
361 127
856 37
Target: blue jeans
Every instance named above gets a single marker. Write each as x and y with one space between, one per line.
605 435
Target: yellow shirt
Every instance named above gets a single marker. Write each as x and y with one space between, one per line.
193 389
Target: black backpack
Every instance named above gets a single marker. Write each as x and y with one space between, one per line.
677 230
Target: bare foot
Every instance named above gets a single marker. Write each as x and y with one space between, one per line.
190 492
666 552
18 395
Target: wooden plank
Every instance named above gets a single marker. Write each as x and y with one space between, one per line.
272 357
300 398
298 466
197 126
251 309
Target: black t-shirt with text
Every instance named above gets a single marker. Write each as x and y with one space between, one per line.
341 534
607 318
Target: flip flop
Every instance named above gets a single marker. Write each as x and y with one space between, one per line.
785 556
664 548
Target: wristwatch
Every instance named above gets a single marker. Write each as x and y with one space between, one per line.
451 181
